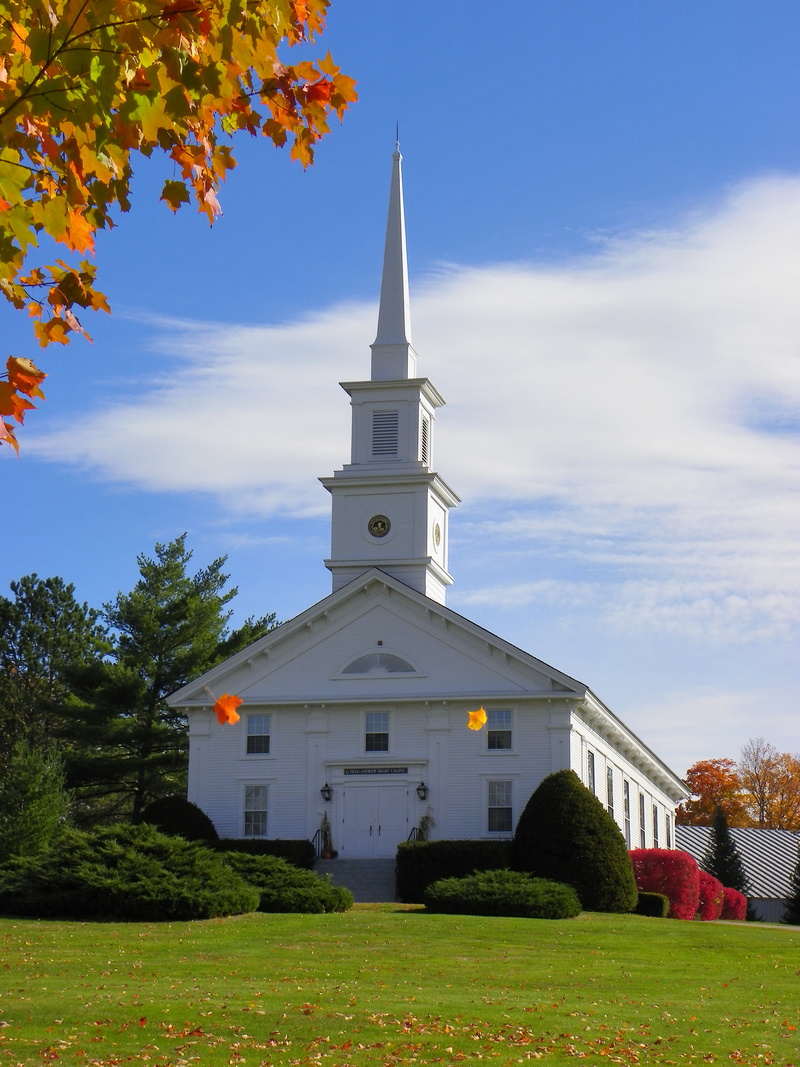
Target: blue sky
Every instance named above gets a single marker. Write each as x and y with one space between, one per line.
603 210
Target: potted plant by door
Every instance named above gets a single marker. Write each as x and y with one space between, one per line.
328 852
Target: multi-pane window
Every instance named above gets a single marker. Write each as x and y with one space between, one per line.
668 825
499 807
255 811
610 790
590 779
655 826
498 729
258 729
626 800
642 829
376 738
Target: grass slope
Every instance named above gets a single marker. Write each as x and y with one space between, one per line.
392 985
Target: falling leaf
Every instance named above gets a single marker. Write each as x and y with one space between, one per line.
476 719
225 709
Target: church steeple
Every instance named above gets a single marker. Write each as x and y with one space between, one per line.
389 507
393 355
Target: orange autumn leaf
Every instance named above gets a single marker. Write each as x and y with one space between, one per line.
225 709
476 719
24 376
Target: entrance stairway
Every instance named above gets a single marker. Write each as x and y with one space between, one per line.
370 881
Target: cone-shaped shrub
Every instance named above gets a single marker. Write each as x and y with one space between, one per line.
711 897
734 904
565 834
671 872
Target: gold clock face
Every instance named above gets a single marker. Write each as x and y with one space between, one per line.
437 534
379 526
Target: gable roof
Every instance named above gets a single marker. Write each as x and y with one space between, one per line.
768 856
304 661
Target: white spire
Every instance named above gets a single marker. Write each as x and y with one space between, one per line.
393 356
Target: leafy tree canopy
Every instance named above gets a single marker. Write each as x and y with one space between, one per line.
86 84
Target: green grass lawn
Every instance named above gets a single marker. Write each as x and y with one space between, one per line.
392 985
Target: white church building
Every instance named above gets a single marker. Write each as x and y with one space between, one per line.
357 708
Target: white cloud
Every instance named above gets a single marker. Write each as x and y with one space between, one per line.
635 411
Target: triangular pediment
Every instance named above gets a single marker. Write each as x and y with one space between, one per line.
378 639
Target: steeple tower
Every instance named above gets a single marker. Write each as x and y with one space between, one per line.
389 507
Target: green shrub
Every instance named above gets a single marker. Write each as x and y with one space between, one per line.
284 887
421 863
300 852
655 905
503 893
566 834
127 873
179 817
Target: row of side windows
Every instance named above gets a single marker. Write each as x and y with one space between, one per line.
627 821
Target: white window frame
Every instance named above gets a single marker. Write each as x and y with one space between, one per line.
248 789
263 733
626 807
610 789
642 820
591 769
374 732
495 730
656 836
508 784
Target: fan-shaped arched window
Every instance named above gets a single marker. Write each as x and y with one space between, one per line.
379 664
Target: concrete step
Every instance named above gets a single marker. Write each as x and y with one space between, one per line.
370 881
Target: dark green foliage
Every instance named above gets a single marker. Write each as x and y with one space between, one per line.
124 872
284 887
33 802
420 863
792 913
511 893
299 852
566 834
722 859
655 905
179 817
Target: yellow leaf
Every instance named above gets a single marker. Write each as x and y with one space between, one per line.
476 719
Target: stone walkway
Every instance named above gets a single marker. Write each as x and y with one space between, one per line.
370 881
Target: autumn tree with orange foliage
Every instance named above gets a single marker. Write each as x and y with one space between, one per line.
86 84
770 782
714 784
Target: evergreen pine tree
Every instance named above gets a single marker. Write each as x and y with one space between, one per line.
33 802
792 913
723 861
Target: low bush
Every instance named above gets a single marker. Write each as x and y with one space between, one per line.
126 873
671 872
284 887
564 833
656 905
511 893
300 852
734 904
711 897
178 817
421 863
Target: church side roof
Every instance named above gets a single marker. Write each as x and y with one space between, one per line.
768 856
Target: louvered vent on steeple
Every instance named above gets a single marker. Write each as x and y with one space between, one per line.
385 433
425 442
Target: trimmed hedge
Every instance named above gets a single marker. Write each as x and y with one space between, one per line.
298 852
178 817
734 904
711 897
421 863
656 905
565 834
284 887
127 873
510 893
671 872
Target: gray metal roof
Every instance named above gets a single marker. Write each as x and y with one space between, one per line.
769 856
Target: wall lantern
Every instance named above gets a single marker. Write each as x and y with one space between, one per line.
422 791
326 792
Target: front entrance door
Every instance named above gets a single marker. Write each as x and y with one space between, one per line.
374 820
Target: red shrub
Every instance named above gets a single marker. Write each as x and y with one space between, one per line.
711 897
673 873
734 904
